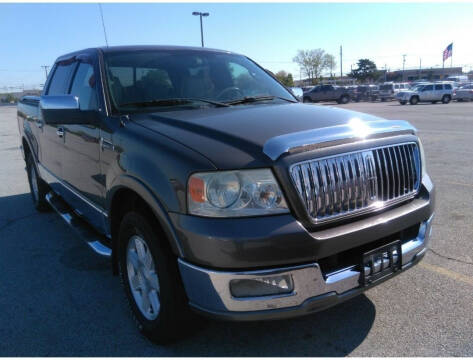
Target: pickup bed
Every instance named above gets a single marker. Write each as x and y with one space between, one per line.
211 188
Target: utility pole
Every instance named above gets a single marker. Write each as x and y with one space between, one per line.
403 63
197 13
45 67
385 72
420 67
341 67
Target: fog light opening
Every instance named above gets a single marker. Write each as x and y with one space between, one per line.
263 286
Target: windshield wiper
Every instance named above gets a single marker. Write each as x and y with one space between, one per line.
252 99
172 102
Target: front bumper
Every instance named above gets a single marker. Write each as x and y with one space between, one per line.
209 290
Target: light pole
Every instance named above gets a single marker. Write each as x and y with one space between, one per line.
200 14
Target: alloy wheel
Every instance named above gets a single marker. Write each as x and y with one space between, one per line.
142 277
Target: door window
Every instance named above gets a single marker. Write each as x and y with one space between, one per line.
438 87
83 87
428 88
60 79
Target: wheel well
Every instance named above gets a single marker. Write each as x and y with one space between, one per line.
124 201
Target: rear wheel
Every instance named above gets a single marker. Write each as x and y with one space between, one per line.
38 187
344 99
434 102
446 99
151 281
414 100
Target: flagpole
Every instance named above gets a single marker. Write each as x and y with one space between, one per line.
451 57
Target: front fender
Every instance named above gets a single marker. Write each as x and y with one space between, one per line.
126 181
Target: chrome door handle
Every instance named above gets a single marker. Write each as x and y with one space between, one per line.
60 132
39 123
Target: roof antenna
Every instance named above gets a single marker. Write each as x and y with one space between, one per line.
103 24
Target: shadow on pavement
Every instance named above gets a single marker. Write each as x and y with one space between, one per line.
64 301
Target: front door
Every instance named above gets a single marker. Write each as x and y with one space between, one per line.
81 159
427 93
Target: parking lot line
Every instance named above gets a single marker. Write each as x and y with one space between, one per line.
456 183
449 273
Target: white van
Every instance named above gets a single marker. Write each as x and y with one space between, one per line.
388 90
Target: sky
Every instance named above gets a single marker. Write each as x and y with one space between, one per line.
270 33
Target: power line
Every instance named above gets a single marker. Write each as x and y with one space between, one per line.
45 67
103 24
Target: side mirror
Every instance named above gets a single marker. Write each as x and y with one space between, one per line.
64 109
297 92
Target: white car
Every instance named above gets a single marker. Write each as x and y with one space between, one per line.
431 92
463 93
389 90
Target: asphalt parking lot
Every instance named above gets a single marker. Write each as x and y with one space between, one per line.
59 299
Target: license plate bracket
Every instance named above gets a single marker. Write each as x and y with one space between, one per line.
381 262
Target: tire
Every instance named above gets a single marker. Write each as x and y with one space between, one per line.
460 100
403 102
383 99
165 309
434 102
414 100
446 99
38 187
344 99
306 100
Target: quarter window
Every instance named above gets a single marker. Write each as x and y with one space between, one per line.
428 88
448 87
438 87
60 79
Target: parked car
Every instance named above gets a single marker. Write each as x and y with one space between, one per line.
366 93
463 93
388 90
339 94
433 92
211 188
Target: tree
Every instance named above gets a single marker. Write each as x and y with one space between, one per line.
366 71
312 62
330 63
285 78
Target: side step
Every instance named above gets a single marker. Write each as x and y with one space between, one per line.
82 228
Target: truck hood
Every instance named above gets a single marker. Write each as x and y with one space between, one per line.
255 135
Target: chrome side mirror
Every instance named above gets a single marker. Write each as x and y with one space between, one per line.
64 109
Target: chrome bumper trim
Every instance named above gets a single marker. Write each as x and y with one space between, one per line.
210 290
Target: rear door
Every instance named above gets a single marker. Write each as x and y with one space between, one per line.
81 159
438 92
52 137
327 93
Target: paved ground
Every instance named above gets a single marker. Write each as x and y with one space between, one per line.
59 299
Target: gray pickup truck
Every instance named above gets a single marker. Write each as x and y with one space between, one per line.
340 94
212 189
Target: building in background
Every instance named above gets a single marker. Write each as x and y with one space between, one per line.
431 74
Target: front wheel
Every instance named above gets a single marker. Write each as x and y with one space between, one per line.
403 102
414 100
446 99
151 281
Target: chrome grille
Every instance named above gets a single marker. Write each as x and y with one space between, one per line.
358 182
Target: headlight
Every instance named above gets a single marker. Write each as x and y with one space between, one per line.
235 193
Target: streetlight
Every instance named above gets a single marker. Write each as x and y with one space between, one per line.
197 13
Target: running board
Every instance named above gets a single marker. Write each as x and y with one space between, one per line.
82 228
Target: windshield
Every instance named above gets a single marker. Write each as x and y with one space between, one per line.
203 78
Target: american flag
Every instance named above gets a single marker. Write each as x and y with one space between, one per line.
447 52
